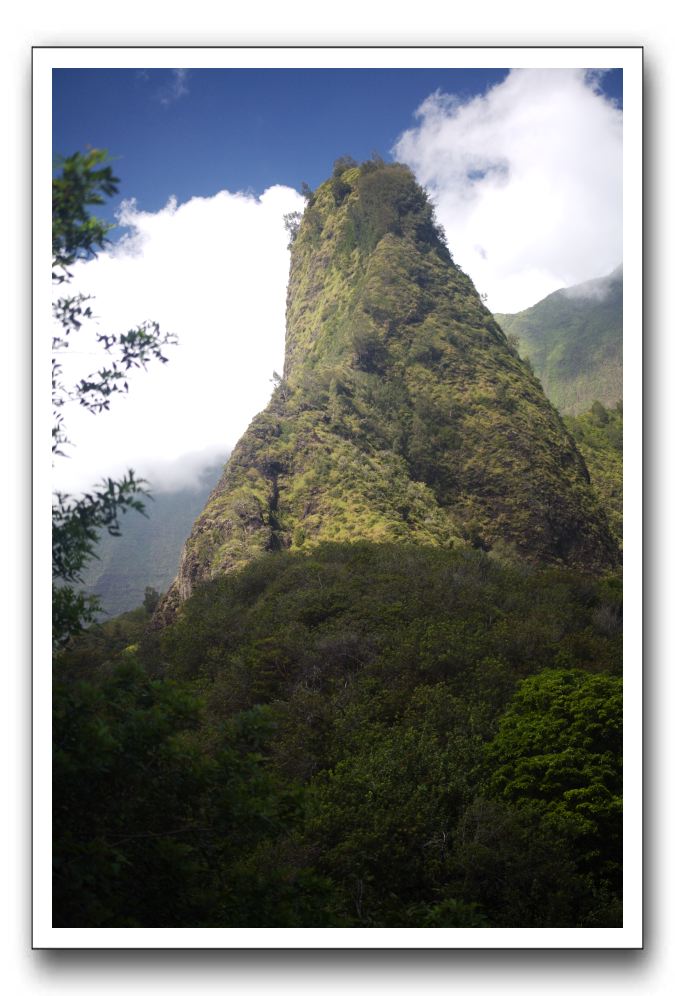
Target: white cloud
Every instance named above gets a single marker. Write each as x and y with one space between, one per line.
527 185
189 471
595 290
526 181
214 272
175 89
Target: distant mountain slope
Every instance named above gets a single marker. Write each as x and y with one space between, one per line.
599 435
573 339
148 551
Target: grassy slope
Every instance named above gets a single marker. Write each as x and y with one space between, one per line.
573 339
599 436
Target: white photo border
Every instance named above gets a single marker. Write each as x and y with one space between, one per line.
630 61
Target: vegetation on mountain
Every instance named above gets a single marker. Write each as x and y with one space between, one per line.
574 341
391 695
599 435
403 413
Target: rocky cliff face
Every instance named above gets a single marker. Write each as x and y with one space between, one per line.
403 414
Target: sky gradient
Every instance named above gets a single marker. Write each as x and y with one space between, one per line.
524 167
236 129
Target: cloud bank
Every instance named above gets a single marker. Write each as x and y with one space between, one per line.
527 183
595 290
526 180
187 472
213 271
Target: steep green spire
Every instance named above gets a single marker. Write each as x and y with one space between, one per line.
403 414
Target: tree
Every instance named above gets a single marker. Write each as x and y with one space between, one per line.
151 599
339 187
86 179
292 225
557 755
307 193
599 414
342 164
155 828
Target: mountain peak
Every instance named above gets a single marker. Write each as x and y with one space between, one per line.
403 414
375 210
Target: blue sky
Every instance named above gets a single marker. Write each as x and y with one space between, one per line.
523 166
244 129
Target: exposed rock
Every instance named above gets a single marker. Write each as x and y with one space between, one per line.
403 413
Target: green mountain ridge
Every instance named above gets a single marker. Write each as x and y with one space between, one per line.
403 414
574 341
385 687
599 436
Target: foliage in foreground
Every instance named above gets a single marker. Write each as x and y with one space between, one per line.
85 180
367 735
